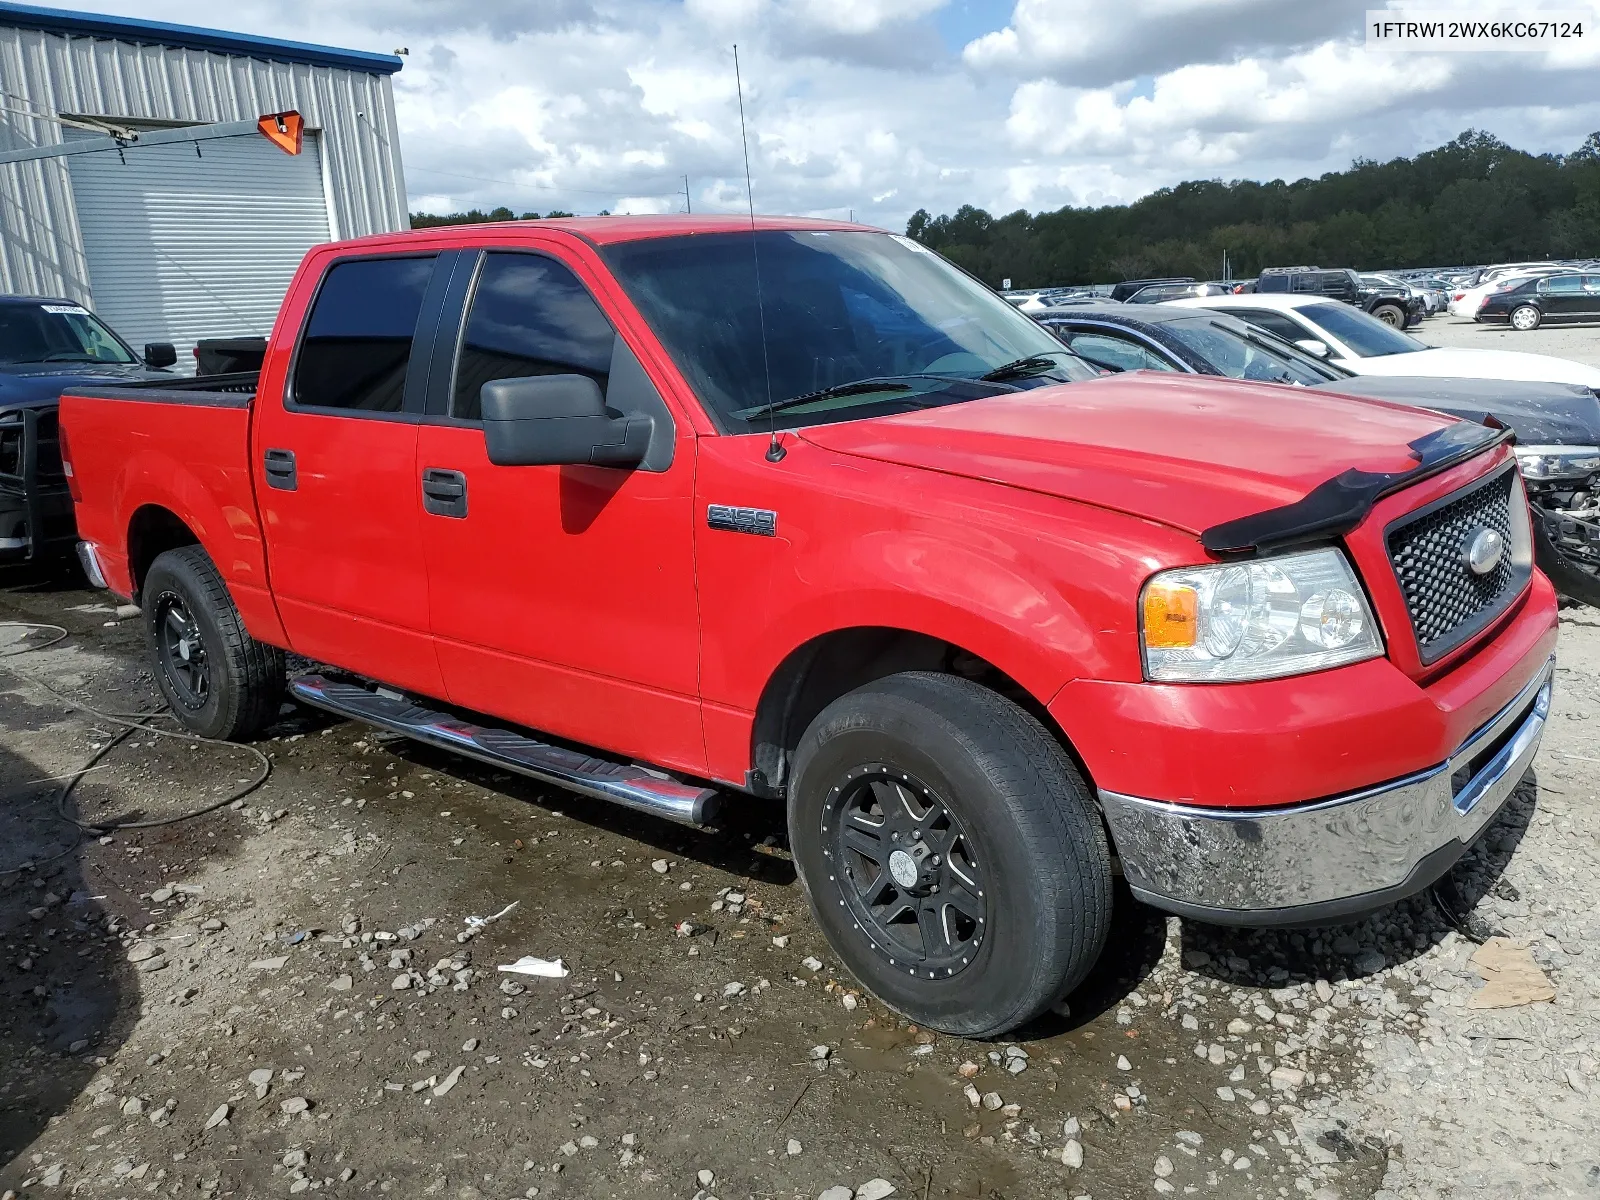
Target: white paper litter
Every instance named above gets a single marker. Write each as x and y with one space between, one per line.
529 965
480 922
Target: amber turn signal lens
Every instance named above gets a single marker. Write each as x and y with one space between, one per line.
1170 616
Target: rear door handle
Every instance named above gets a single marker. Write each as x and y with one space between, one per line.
281 470
444 493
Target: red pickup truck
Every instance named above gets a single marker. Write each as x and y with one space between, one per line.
669 509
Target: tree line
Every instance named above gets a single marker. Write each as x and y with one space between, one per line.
1474 200
475 216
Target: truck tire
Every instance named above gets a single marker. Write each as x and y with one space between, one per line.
1390 314
1525 317
950 852
217 679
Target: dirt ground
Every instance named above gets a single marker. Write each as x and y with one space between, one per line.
285 996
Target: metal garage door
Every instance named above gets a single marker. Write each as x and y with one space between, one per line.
182 247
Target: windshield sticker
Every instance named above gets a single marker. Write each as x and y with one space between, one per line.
910 243
70 310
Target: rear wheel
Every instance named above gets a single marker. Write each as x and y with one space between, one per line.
950 852
1525 317
217 679
1391 314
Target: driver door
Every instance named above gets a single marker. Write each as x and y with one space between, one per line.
560 597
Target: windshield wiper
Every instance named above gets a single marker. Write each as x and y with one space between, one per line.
856 388
1033 364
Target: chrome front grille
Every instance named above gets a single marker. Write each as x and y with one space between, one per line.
1448 601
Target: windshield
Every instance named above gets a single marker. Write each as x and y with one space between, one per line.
41 333
1243 354
1366 336
841 309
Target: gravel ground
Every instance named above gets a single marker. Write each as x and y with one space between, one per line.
1581 343
286 996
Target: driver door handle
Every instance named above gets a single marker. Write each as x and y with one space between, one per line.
280 468
444 493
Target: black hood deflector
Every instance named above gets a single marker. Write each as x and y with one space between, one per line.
1334 508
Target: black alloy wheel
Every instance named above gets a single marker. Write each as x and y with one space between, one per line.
903 865
950 852
218 681
182 650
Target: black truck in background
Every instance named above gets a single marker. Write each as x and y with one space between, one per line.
1392 305
48 345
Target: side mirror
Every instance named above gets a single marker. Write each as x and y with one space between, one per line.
160 354
556 420
1314 346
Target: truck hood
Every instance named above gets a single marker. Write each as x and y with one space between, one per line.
1189 451
30 385
1548 414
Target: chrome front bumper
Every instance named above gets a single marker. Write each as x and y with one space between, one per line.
1328 860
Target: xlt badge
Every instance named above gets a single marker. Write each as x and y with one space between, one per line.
761 521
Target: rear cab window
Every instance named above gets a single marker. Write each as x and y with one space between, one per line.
355 353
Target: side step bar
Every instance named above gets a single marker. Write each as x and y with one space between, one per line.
621 783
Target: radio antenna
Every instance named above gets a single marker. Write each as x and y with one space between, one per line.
775 450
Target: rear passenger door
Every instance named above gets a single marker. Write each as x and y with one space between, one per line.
1563 297
562 597
336 472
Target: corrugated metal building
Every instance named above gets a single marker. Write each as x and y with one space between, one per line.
171 243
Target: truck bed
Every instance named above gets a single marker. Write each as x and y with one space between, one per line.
152 458
233 390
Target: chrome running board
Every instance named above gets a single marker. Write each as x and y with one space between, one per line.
621 783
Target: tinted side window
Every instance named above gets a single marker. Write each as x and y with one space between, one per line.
357 344
1272 283
530 316
1273 322
1567 284
1108 350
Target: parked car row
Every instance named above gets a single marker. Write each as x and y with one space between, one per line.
1557 425
587 500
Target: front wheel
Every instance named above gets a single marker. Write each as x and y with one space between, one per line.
950 852
217 679
1525 317
1391 314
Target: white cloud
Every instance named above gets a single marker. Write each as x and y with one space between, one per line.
1089 44
856 17
865 105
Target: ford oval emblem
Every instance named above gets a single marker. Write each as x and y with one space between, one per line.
1483 551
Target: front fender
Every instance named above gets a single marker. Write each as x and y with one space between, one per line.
1043 589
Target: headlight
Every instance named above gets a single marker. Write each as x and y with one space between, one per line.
1558 462
1260 619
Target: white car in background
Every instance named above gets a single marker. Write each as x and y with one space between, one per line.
1364 345
1464 302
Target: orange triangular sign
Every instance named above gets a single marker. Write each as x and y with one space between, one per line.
284 130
